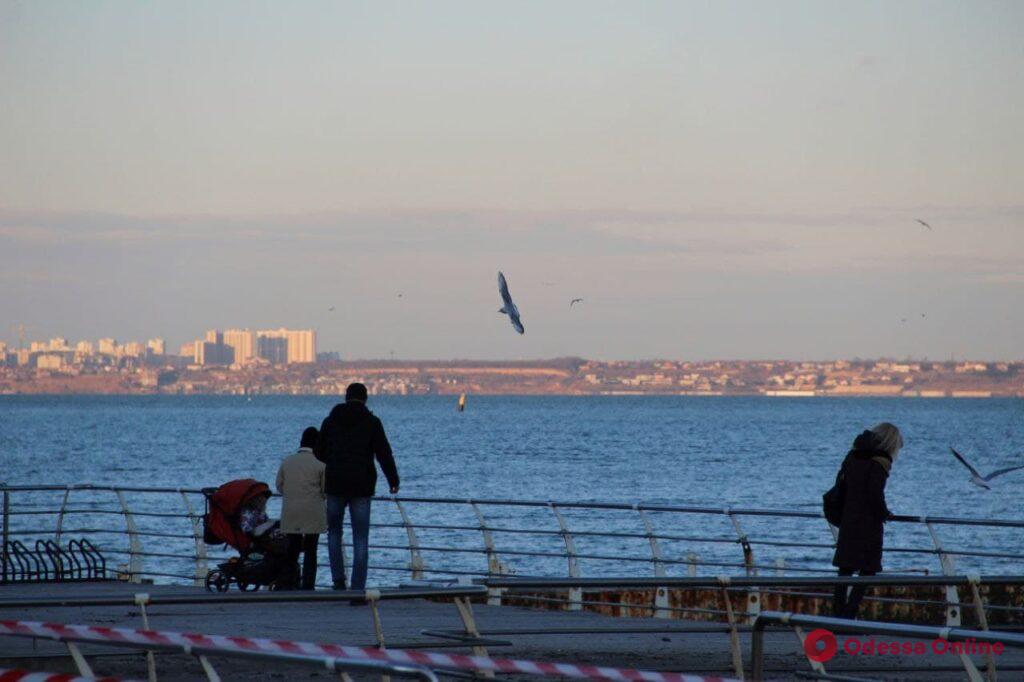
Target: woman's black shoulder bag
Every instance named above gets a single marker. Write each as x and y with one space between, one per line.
832 501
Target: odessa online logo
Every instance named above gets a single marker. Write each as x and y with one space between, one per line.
820 645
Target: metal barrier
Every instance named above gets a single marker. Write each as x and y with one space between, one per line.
756 588
748 586
157 535
199 646
460 596
335 656
840 625
292 596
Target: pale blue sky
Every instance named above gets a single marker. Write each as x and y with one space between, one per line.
715 179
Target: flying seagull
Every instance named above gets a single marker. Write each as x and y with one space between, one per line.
979 480
509 308
923 223
331 309
575 301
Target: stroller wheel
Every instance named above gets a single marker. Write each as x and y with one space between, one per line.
217 581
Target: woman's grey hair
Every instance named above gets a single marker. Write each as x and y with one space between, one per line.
890 438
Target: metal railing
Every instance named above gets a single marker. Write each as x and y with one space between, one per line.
749 591
155 532
290 596
840 625
752 592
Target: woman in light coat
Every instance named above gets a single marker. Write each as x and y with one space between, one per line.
300 480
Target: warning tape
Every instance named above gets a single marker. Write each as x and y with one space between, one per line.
9 675
189 641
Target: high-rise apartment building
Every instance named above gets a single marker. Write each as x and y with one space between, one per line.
133 349
49 361
243 343
213 352
108 346
300 345
156 346
207 353
273 349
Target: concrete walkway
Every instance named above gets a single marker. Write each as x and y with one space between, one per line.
403 622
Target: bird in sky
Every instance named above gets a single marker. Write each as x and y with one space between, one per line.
923 316
923 223
399 295
575 301
331 309
508 307
903 320
979 480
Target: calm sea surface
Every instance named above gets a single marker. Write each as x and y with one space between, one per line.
714 452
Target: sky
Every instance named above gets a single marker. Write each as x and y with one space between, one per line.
719 180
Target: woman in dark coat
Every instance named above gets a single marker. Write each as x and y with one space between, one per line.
862 479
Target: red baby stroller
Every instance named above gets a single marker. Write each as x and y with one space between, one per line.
258 563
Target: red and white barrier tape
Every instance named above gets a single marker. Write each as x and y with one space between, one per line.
188 641
32 676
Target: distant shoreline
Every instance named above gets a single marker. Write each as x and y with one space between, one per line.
562 376
608 394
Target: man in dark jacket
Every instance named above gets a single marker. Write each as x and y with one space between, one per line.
863 477
350 438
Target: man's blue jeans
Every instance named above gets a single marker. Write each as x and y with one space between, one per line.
360 509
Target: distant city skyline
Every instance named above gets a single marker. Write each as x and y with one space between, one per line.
308 349
716 181
214 347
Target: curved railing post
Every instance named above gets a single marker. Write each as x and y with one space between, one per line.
974 582
575 593
652 540
197 532
60 515
134 545
660 593
753 594
416 565
692 561
953 616
748 551
494 565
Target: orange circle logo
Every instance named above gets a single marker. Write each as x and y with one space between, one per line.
820 645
